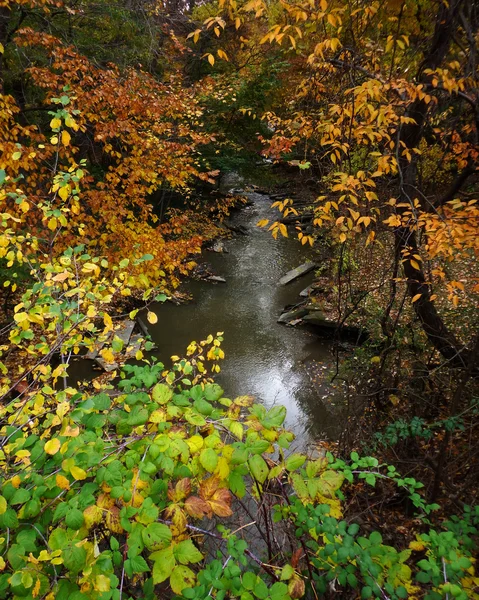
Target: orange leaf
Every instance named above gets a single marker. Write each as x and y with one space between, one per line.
198 508
220 503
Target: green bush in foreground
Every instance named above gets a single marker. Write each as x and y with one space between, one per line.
159 488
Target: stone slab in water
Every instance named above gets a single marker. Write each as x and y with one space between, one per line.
124 332
305 293
295 273
292 315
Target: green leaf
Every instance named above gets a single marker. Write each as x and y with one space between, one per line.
294 461
258 467
20 496
376 538
287 572
186 552
9 518
276 416
203 407
209 459
74 519
137 564
74 558
278 591
58 539
366 592
249 580
213 392
156 536
236 429
164 563
261 590
161 393
181 578
237 484
117 344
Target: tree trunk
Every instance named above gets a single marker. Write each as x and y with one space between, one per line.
406 239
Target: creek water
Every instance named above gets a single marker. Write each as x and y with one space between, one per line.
274 363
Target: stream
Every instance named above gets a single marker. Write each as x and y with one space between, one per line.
274 363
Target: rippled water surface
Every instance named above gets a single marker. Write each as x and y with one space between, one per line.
267 360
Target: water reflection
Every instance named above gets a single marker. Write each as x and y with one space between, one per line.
264 359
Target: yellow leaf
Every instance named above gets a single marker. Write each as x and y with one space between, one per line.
102 583
66 137
54 140
52 224
61 276
152 317
108 355
415 265
78 473
342 237
2 561
69 122
211 59
416 297
64 192
52 446
55 123
62 482
2 49
16 156
108 322
418 546
222 54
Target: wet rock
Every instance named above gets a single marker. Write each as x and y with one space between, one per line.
216 279
230 180
236 228
292 315
297 272
219 247
328 327
305 293
317 318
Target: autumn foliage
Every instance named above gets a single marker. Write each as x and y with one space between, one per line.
148 482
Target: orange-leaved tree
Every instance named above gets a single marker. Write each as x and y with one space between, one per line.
386 109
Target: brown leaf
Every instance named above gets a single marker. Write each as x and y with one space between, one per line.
113 520
220 503
295 558
296 587
197 508
183 488
208 487
178 517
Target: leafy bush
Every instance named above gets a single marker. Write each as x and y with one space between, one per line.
151 488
